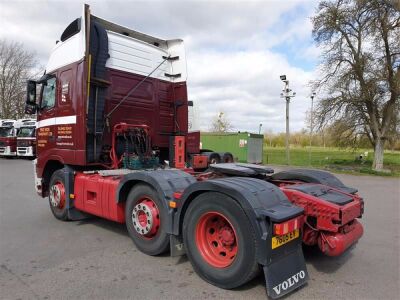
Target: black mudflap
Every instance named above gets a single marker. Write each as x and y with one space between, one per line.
285 274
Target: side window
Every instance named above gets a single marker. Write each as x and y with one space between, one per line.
65 83
49 94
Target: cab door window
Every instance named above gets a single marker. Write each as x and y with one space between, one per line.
49 94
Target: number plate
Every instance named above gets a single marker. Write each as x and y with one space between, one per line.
278 241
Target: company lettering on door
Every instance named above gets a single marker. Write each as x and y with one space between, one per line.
43 135
64 136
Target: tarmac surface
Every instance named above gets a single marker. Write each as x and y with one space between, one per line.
42 258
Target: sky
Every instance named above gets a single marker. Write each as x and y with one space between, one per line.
235 50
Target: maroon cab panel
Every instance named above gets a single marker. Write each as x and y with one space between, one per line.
59 137
154 103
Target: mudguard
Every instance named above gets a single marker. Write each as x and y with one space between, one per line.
314 176
165 182
264 204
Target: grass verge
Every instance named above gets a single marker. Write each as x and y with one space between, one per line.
342 160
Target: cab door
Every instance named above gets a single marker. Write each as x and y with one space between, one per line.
66 114
47 115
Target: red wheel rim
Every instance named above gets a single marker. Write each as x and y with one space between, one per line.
146 218
57 195
216 239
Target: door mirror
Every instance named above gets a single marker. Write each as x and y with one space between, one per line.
30 103
31 92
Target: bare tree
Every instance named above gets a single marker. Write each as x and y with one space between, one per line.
220 124
16 66
360 67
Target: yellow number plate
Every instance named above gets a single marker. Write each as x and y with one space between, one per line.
278 241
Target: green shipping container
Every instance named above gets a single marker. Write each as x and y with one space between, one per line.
246 147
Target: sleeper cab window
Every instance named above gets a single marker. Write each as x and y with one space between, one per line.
65 82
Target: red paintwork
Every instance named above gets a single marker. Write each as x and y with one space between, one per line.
329 216
216 239
9 141
310 236
177 195
199 161
332 220
334 244
61 188
179 152
143 218
335 228
95 194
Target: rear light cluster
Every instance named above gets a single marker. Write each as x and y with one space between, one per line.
288 226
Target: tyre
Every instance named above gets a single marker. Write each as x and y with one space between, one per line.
220 241
145 218
214 158
57 195
227 157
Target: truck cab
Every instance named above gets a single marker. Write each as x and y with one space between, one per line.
8 138
26 139
89 87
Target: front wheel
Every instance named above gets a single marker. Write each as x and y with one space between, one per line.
57 196
145 218
220 241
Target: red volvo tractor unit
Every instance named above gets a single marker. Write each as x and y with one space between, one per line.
113 141
8 138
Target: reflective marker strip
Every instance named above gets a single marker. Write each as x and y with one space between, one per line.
56 121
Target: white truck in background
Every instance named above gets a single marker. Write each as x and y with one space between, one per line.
26 138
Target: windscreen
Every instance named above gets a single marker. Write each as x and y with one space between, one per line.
26 132
6 131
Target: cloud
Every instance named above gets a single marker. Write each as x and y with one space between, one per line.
235 50
246 87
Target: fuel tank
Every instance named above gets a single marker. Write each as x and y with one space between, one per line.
334 244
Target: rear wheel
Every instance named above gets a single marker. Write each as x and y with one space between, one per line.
145 217
227 157
57 195
215 158
220 241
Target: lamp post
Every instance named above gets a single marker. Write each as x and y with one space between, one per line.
259 128
287 93
311 126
